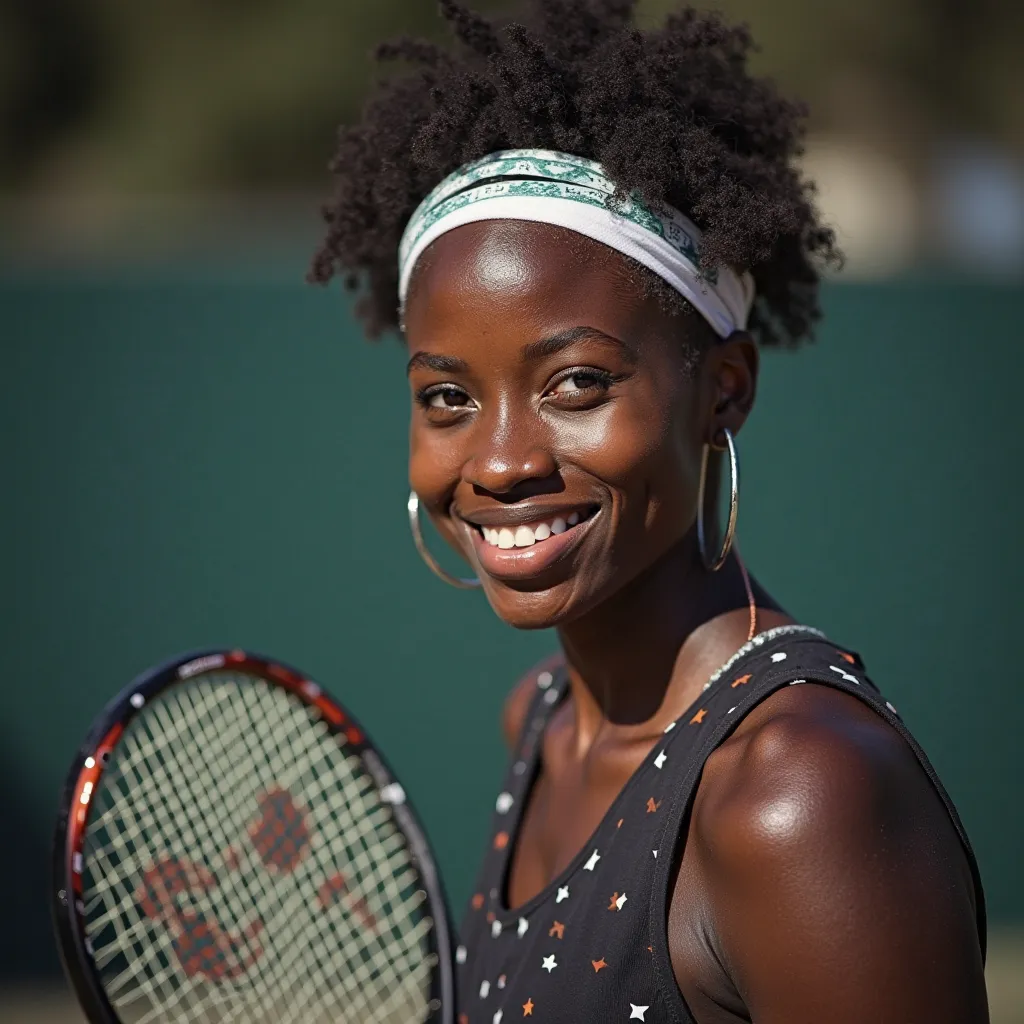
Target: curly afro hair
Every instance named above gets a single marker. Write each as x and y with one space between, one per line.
672 114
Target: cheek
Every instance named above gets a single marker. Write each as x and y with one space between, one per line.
434 466
642 451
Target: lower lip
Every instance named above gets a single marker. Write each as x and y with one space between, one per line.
525 563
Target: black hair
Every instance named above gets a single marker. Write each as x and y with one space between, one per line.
673 114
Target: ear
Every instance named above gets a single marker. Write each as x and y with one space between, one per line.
730 385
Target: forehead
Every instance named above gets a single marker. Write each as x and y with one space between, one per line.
523 274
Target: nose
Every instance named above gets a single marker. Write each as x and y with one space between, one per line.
510 451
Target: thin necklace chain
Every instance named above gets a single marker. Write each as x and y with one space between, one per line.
750 595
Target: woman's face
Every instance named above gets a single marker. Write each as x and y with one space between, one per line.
558 420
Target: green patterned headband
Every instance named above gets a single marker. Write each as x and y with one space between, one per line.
572 192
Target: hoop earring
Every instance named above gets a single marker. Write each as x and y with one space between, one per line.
714 564
413 505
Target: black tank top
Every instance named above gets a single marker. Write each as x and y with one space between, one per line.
592 945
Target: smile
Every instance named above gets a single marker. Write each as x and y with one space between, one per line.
528 534
519 544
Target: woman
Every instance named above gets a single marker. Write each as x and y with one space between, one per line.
586 234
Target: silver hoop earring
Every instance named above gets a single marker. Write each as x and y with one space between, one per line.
421 546
714 564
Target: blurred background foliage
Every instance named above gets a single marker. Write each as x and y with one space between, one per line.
106 102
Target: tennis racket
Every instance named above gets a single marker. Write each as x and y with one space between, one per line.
231 847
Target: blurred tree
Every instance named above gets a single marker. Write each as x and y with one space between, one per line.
51 69
198 95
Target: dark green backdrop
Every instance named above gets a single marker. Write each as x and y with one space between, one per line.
190 458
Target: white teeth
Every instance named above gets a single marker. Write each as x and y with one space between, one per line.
524 537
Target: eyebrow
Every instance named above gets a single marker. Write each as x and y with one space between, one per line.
563 339
534 350
442 364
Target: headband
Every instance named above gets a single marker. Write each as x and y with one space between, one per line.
572 192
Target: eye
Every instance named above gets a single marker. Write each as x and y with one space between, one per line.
580 380
444 398
582 383
449 398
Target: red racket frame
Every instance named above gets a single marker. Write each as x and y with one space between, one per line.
91 760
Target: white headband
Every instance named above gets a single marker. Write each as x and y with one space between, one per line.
572 192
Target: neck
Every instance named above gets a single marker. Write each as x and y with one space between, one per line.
641 657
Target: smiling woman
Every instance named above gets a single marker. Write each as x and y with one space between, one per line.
586 235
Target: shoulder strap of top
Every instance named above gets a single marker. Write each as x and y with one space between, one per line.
785 660
551 680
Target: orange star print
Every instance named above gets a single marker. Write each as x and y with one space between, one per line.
613 905
651 805
598 964
528 1008
478 900
557 930
699 717
741 681
501 841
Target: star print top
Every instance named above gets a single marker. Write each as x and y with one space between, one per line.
592 945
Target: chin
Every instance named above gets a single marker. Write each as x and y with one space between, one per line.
542 607
539 609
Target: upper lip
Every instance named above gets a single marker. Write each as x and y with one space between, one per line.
519 515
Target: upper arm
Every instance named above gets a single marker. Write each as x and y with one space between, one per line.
834 882
517 703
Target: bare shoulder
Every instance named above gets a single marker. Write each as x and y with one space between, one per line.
815 769
818 752
818 840
517 702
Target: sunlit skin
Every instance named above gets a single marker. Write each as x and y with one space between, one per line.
821 878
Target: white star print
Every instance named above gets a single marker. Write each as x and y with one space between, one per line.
891 708
544 680
548 964
550 696
592 863
846 675
460 955
497 1018
620 901
795 681
660 760
503 803
495 928
523 925
655 852
637 1012
485 987
563 893
779 656
670 726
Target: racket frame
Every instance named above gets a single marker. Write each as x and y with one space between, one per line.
91 760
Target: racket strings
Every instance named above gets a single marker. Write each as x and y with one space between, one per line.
177 766
309 913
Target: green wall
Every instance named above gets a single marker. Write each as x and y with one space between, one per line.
195 459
